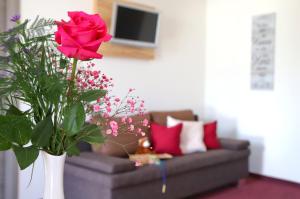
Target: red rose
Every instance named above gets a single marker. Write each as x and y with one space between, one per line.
82 36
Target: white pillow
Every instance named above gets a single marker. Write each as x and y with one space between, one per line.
191 137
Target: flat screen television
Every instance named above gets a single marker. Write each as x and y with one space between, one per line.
133 25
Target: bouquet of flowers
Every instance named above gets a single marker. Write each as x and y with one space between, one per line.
53 75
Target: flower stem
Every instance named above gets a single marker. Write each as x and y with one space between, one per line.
74 70
72 82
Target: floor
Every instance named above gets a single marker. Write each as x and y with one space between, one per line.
256 187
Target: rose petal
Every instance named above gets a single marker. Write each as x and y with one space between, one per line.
66 40
93 46
73 29
86 55
85 37
57 37
98 20
68 51
77 14
106 38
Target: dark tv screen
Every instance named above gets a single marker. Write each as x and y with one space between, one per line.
136 25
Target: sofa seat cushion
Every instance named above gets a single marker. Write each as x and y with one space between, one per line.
177 165
204 159
101 163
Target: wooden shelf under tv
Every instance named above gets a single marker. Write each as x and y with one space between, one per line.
105 9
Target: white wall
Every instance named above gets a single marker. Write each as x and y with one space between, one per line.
174 80
269 119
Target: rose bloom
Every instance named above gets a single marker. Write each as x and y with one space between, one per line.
81 37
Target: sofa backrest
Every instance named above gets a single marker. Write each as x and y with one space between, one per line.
124 143
84 147
160 117
114 147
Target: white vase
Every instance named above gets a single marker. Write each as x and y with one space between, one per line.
54 176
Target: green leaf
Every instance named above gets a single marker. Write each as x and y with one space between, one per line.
13 110
73 150
54 87
25 155
4 82
74 119
94 138
91 133
92 95
63 63
42 132
16 129
4 144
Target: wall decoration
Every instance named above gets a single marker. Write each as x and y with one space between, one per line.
263 52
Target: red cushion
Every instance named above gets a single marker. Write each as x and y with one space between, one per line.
210 136
166 140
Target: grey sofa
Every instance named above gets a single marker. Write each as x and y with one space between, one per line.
92 176
95 176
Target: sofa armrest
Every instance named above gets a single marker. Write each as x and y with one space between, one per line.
234 144
101 163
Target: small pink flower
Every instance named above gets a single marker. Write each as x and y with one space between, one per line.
123 120
145 122
131 127
108 109
96 76
96 108
91 82
114 126
117 99
143 134
129 120
131 109
108 131
139 130
115 133
106 115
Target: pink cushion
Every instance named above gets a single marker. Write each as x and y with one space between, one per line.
166 140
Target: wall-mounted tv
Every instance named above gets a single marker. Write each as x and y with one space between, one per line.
132 25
